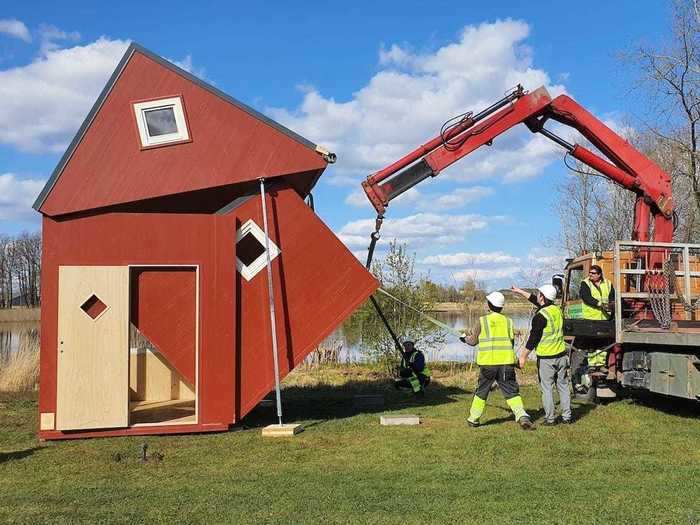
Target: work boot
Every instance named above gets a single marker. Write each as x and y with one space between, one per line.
526 423
473 424
567 421
549 423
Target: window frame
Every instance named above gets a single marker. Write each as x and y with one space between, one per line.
251 270
182 134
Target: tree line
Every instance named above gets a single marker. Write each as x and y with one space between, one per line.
20 268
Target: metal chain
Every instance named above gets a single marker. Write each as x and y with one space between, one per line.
659 284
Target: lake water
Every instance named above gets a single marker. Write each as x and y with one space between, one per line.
453 349
13 334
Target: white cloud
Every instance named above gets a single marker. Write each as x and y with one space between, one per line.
17 196
415 229
45 101
410 97
187 64
487 274
51 35
435 202
471 259
456 198
15 28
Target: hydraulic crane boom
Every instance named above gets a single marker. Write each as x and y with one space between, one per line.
624 165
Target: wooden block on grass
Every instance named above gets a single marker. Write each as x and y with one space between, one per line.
267 403
368 401
287 430
399 420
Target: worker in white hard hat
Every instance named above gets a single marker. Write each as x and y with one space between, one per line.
547 340
496 359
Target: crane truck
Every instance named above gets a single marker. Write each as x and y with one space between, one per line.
653 338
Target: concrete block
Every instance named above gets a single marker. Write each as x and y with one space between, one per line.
287 430
399 420
368 401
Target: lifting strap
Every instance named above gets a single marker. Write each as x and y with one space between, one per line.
442 325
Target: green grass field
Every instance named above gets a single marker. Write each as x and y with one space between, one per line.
631 461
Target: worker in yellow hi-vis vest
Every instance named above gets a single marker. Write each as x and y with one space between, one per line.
597 295
547 340
496 359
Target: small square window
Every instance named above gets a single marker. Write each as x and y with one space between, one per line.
251 255
161 121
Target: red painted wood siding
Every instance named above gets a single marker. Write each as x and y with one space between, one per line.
163 308
228 146
318 283
151 239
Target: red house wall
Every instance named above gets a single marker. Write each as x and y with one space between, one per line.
318 282
228 145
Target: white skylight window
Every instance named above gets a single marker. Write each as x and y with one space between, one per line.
251 256
161 121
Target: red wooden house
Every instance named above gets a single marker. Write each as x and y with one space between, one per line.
155 313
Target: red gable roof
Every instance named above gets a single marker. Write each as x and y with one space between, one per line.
230 144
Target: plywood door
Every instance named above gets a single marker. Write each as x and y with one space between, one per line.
93 347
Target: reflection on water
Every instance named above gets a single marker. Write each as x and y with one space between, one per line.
14 335
453 349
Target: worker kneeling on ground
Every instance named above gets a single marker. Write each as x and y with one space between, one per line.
547 340
414 373
496 360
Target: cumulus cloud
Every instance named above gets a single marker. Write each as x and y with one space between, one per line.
415 229
426 201
412 94
51 36
188 65
45 102
487 274
17 196
14 28
471 259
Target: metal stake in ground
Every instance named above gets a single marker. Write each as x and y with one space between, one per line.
271 296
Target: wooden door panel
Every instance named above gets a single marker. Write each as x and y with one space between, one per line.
93 347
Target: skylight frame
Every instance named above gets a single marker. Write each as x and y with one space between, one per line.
175 103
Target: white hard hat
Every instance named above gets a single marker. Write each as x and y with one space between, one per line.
549 291
496 299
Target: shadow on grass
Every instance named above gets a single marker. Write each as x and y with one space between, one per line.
17 454
325 402
674 406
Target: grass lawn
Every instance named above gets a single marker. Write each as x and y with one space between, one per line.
632 461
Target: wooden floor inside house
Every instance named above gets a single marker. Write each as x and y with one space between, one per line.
172 412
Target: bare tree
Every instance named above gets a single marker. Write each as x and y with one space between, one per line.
593 212
20 269
670 77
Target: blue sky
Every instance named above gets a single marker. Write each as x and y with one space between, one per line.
369 80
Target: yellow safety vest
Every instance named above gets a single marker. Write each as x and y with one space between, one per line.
495 341
601 295
552 342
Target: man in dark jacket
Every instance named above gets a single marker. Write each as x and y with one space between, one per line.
547 341
414 373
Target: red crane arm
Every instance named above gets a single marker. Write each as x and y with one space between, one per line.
625 165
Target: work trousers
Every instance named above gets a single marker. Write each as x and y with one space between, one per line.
504 375
554 372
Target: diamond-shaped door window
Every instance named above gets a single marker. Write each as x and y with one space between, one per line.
93 306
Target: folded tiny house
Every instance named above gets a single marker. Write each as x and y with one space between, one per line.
154 289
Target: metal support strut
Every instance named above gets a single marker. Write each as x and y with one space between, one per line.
374 237
271 297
